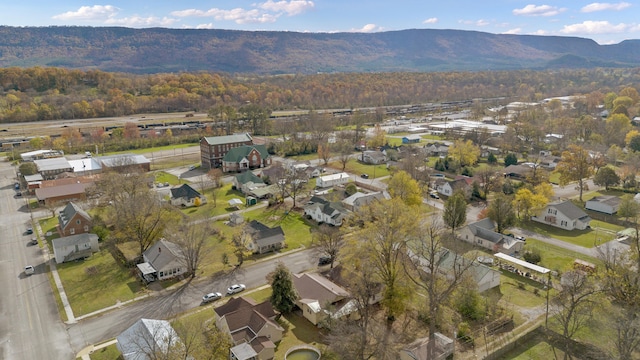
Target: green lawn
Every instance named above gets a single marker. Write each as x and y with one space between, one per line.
356 167
221 206
298 331
554 257
511 292
297 230
97 282
260 295
110 352
162 177
393 141
154 149
535 348
304 157
599 233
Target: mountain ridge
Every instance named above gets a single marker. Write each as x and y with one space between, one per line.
154 50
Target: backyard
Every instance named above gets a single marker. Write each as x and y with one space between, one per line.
358 168
599 233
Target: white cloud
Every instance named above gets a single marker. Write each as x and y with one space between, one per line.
293 7
596 27
605 6
138 21
369 28
538 10
96 12
480 22
432 20
205 26
238 15
513 31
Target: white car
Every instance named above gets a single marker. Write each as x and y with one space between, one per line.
29 270
211 297
236 288
521 238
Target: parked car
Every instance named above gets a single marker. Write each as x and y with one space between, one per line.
29 230
364 176
521 238
434 195
211 297
34 241
192 167
324 260
16 186
18 194
235 288
29 270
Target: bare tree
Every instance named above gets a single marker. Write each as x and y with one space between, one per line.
329 239
575 302
427 269
215 176
344 149
297 184
192 237
155 340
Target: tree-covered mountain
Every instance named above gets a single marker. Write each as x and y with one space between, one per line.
268 52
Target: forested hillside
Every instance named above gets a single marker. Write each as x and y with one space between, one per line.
172 50
38 93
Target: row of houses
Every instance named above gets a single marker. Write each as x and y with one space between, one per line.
333 213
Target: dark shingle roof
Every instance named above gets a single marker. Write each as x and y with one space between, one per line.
69 212
184 191
260 231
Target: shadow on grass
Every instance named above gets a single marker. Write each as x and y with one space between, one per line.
302 329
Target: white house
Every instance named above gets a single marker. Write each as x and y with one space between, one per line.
332 180
323 211
359 199
373 157
607 204
163 260
481 233
146 339
186 196
74 247
564 215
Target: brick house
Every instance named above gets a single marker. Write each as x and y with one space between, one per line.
214 148
73 220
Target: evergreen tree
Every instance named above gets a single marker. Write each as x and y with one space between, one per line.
510 159
283 295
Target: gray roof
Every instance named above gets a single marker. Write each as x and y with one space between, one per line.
607 199
570 210
52 164
69 211
228 139
159 259
122 160
265 235
184 191
135 342
244 351
73 240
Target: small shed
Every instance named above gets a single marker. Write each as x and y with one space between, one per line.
606 204
411 139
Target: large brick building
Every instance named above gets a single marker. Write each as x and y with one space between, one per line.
214 148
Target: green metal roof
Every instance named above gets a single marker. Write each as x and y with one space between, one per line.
236 154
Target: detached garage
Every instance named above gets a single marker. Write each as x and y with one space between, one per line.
606 204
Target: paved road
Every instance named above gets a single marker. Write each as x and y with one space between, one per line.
30 327
170 303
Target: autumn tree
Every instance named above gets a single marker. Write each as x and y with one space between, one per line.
427 270
606 177
387 226
500 210
616 127
257 116
629 208
528 202
455 211
464 153
378 138
575 166
490 179
226 114
344 149
324 152
283 294
402 186
330 240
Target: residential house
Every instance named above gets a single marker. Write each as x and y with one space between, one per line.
273 173
437 149
564 215
607 204
246 157
482 233
519 172
373 157
74 247
146 339
324 211
359 199
73 220
186 196
50 168
332 180
549 162
411 139
262 239
319 297
214 148
447 188
124 162
249 323
247 182
419 349
162 260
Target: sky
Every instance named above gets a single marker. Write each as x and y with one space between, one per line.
604 22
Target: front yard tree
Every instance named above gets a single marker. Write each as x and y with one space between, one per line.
283 294
381 246
490 179
575 302
296 184
500 210
191 237
324 152
455 211
575 166
606 177
344 149
329 239
465 153
426 270
402 186
527 203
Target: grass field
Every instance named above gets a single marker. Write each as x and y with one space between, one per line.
356 167
556 258
599 233
297 231
221 206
